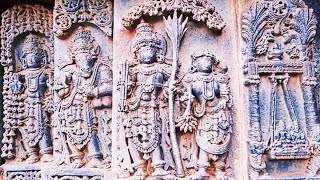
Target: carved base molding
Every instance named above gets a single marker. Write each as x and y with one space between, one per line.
49 172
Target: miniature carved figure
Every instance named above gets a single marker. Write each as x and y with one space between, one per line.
207 102
145 84
85 89
31 86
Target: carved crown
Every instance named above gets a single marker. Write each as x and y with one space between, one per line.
195 56
146 36
32 44
83 42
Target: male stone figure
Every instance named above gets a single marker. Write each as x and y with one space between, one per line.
207 101
84 87
31 87
145 125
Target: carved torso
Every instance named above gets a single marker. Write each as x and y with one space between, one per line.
78 111
32 119
214 128
144 125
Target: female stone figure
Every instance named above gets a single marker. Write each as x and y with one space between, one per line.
207 100
31 86
84 88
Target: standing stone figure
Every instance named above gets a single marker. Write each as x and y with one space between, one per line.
84 88
146 121
207 99
31 86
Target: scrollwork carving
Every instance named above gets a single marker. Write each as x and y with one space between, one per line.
69 12
201 10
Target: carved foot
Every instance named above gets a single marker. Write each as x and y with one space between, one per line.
140 173
201 174
159 171
220 175
33 159
77 163
46 158
95 162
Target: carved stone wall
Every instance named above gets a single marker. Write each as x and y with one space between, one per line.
160 89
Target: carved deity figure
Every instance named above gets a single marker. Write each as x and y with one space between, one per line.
84 88
206 100
145 95
31 86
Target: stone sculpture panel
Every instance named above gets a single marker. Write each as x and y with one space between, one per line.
280 71
83 88
159 89
173 91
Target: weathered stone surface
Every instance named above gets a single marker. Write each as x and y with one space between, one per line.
160 89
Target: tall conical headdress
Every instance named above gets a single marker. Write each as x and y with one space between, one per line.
147 36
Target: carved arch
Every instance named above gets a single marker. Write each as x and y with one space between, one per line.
201 11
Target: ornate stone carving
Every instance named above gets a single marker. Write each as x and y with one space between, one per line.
207 102
201 10
30 175
84 88
144 84
76 178
28 78
69 12
280 43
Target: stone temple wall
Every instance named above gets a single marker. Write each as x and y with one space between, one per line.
160 89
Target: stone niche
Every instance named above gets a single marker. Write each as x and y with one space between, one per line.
159 89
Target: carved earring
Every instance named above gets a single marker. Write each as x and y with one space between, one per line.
160 58
193 69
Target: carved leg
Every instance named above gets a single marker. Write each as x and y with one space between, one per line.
158 163
203 164
32 153
220 166
45 147
95 156
138 162
77 156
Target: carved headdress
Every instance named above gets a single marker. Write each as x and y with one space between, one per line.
205 53
146 36
33 45
84 42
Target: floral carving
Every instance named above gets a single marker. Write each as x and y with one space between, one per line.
201 10
69 12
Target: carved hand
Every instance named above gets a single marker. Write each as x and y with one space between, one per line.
187 122
15 85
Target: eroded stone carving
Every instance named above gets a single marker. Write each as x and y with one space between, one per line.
28 79
69 12
207 102
201 10
144 82
84 88
32 175
280 39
